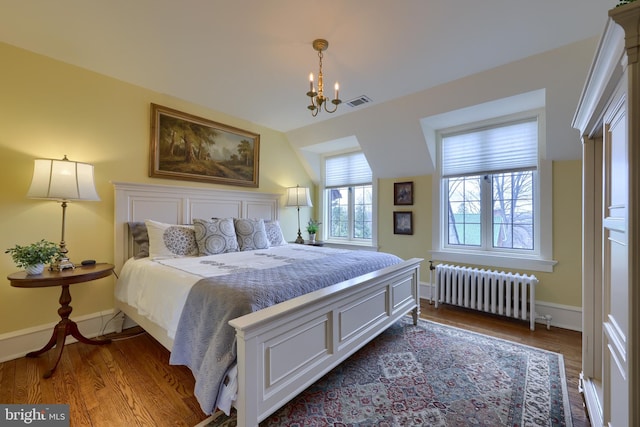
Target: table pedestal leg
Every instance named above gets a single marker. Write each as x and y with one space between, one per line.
64 328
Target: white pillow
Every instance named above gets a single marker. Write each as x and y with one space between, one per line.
215 236
170 240
251 234
274 232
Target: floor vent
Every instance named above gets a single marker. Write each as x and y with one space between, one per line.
356 102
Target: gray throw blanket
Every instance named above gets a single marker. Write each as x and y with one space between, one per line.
206 343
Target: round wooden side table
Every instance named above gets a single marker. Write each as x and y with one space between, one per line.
65 326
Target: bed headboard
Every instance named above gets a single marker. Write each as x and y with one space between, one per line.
179 205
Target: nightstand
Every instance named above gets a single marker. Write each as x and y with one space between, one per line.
308 243
66 326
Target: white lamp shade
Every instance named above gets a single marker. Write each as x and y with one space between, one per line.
298 196
62 180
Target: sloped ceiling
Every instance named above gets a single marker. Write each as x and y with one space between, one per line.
251 58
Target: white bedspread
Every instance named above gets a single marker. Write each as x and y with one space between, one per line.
156 291
158 288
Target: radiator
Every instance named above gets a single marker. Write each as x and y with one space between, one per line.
497 292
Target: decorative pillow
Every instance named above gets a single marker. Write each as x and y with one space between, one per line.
251 234
215 236
169 240
274 232
138 231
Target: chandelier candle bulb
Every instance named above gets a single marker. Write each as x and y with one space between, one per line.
337 87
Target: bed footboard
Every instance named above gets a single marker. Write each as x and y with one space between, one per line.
285 348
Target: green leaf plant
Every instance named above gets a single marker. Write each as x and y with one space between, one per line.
312 226
41 252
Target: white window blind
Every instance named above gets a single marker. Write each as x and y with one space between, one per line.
347 170
508 147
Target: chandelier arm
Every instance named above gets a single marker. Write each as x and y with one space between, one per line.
335 102
313 106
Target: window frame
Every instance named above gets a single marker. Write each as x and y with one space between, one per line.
540 259
325 206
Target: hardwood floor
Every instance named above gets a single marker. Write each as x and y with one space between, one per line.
130 382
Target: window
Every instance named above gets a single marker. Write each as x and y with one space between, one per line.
349 199
490 190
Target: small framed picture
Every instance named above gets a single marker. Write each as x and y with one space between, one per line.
403 223
403 193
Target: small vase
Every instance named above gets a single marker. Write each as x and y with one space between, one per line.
312 238
33 270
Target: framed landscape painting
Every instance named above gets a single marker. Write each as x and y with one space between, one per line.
187 147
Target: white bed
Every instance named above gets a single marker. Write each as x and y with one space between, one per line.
324 327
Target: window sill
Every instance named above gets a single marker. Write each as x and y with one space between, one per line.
493 260
350 245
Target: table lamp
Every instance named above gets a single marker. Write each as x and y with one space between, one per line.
63 181
298 197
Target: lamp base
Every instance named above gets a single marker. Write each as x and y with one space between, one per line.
299 239
61 263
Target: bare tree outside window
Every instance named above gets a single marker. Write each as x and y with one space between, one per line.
513 210
511 220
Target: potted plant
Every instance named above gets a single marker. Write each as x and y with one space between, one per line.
312 229
34 256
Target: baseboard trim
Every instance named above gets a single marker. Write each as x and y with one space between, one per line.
16 344
562 316
592 400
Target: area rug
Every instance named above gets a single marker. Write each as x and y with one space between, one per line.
432 375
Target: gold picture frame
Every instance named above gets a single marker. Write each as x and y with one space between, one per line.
187 147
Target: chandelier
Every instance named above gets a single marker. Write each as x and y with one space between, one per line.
317 99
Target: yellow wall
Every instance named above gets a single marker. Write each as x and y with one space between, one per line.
563 286
405 246
49 109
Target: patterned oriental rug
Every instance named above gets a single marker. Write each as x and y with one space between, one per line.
432 375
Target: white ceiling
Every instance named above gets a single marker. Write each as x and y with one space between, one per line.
252 58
